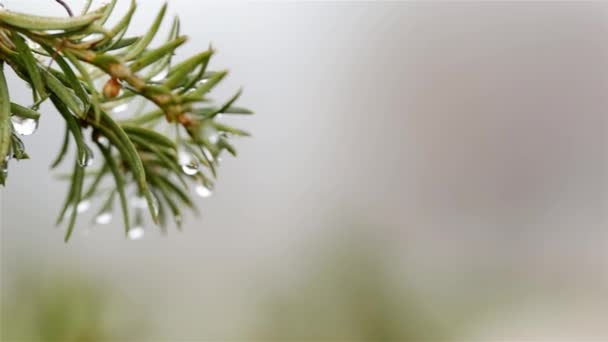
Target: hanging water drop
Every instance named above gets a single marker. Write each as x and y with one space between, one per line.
86 159
120 108
189 169
24 126
178 219
136 233
103 141
103 218
188 163
203 191
83 206
219 116
211 134
214 138
201 82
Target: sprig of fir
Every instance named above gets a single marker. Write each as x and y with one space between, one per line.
89 72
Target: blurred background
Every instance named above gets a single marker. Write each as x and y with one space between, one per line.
418 171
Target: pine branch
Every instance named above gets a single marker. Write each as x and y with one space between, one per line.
89 72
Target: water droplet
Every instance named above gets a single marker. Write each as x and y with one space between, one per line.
24 126
188 163
104 141
87 158
219 116
120 108
189 169
160 76
203 81
211 134
136 233
203 191
139 202
178 219
103 218
83 206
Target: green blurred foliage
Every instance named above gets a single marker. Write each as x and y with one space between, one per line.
349 295
61 308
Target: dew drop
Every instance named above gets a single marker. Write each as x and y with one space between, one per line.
178 219
203 81
83 206
219 116
120 108
188 163
203 191
104 141
24 126
159 77
211 134
87 158
189 169
103 218
136 233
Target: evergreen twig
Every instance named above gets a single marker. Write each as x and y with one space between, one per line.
95 71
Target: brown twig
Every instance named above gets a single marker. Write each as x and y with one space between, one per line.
67 8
